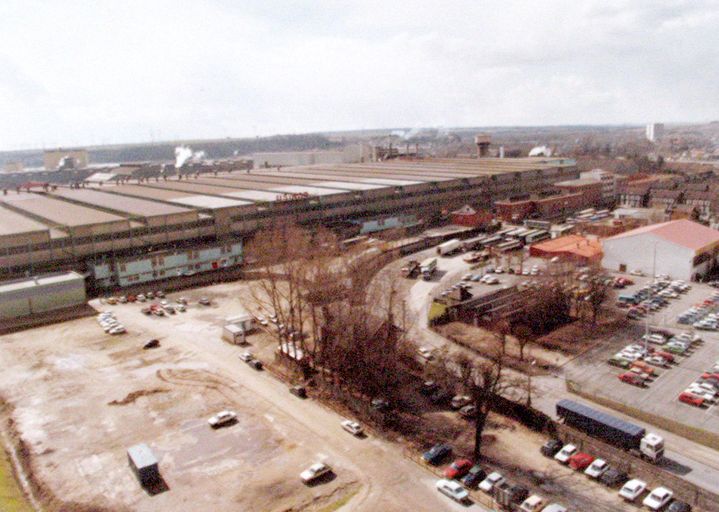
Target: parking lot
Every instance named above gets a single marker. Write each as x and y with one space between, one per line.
593 375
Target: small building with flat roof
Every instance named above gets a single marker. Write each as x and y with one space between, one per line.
40 294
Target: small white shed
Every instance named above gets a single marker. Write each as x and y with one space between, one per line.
234 333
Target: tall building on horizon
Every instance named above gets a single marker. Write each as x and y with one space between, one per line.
655 131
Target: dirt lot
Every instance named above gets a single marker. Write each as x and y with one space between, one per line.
82 397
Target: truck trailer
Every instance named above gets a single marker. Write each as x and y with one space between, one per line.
449 247
612 430
410 269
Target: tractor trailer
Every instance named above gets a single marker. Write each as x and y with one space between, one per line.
612 430
449 247
427 268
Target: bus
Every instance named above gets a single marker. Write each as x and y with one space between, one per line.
492 240
473 243
503 232
511 245
538 224
538 236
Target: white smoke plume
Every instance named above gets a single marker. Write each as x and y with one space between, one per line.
182 155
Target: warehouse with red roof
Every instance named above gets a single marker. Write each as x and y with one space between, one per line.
680 248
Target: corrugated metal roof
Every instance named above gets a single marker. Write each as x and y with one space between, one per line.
614 422
681 232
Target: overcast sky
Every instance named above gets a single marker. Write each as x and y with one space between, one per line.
93 72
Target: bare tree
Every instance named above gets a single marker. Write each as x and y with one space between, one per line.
486 380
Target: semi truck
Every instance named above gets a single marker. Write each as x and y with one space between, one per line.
427 268
411 269
612 430
449 247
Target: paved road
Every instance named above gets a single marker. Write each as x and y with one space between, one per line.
694 462
390 482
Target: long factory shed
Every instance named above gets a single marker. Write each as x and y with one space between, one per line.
67 226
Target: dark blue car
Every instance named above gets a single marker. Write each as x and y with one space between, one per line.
437 454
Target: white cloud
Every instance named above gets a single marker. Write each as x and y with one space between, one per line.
92 72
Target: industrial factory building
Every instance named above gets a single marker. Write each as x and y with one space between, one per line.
680 248
35 295
152 228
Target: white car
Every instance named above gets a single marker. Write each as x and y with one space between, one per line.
555 507
467 277
222 418
628 355
493 479
352 427
118 329
452 489
425 352
636 272
246 356
315 471
491 280
658 498
632 489
701 392
534 503
180 307
597 468
499 270
567 451
656 339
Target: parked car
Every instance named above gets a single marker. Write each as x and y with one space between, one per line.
565 453
437 454
428 387
460 401
633 379
204 301
153 343
656 360
468 411
597 468
256 364
555 507
580 461
551 447
314 472
534 503
632 489
222 418
475 475
679 506
691 399
458 469
299 391
613 477
658 498
352 427
452 490
493 479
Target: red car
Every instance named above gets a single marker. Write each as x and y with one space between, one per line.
632 378
458 469
712 376
667 356
691 399
580 461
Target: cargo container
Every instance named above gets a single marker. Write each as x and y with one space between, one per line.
144 464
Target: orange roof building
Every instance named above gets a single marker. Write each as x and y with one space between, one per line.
571 247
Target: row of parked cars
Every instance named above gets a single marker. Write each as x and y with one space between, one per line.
640 363
652 297
462 475
705 390
110 324
703 315
140 297
599 469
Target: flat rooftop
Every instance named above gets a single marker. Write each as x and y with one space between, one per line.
44 280
59 212
12 223
130 205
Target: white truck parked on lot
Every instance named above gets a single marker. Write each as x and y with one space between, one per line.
449 247
427 268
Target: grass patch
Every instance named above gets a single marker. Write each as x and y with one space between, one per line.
436 311
11 497
336 505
